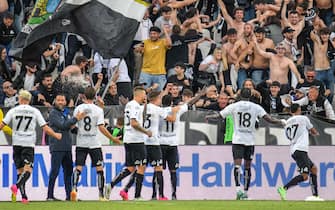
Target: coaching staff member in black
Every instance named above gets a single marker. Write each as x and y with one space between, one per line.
61 154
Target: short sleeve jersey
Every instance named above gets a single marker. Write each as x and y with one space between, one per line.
168 130
245 115
24 119
297 132
151 122
87 136
133 110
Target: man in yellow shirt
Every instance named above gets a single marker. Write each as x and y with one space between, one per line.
7 130
154 53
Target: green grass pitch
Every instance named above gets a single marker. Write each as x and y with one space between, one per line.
171 205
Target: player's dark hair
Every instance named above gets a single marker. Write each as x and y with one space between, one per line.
294 108
245 93
153 95
166 100
89 93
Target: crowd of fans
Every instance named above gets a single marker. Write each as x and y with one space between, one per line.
282 50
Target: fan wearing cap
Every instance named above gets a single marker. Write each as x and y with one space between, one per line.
322 60
291 49
154 56
280 66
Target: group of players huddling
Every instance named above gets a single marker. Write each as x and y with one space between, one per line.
150 137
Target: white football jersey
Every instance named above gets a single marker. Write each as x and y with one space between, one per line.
168 130
245 114
133 110
151 123
24 119
297 130
87 136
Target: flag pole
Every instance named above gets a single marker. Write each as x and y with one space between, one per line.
110 80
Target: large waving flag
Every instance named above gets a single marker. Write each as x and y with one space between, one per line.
108 26
41 12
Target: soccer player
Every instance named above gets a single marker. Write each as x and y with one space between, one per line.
24 118
88 142
133 140
296 130
168 135
245 114
153 113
